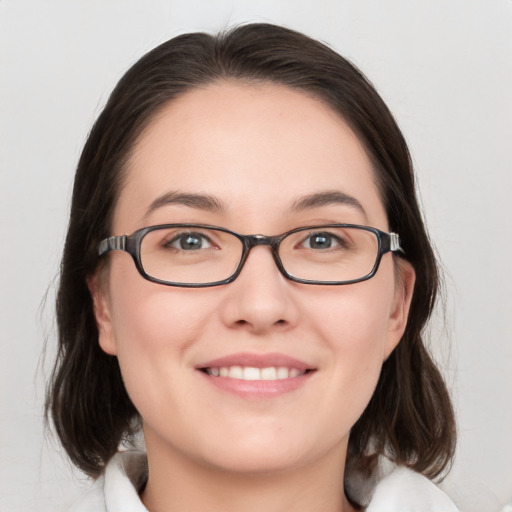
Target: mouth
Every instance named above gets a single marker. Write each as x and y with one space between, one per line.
257 376
268 373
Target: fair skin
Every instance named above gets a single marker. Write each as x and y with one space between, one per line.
257 150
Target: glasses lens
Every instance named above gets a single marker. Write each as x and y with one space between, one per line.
329 254
190 255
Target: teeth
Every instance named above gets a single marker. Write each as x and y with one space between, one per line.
268 373
251 373
282 373
236 372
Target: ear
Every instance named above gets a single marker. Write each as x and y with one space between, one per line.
102 313
400 306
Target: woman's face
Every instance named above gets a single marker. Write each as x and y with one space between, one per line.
257 151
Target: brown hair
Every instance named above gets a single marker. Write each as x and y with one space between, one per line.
410 417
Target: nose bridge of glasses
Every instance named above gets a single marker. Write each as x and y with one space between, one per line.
255 240
272 242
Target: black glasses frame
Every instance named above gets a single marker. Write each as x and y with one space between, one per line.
387 242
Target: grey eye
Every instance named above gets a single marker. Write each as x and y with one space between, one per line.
190 242
321 241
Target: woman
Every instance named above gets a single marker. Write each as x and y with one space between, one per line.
245 281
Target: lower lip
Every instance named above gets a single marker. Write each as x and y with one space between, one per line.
258 389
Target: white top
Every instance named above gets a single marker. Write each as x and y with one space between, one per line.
395 489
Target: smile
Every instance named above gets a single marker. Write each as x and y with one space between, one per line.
252 373
256 376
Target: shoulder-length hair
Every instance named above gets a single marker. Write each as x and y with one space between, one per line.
410 417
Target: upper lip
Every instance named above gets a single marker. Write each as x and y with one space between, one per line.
253 360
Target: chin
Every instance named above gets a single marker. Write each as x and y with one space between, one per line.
255 461
270 451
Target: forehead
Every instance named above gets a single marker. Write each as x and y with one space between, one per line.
254 147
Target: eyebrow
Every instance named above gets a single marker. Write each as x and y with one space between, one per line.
212 204
199 201
327 198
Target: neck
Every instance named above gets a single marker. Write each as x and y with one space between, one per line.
180 484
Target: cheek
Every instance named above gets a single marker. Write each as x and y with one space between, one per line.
149 317
154 326
355 319
354 323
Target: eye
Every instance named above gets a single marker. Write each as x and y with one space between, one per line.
323 240
189 242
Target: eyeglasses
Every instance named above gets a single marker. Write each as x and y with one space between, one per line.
195 255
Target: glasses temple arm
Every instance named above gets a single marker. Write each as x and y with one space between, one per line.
112 243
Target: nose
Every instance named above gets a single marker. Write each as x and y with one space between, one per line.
260 299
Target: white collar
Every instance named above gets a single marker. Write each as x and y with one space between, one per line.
394 489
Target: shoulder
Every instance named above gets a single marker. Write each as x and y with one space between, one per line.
118 487
406 490
397 488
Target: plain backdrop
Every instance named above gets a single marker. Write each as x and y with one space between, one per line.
445 69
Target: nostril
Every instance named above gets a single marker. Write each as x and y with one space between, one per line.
245 323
